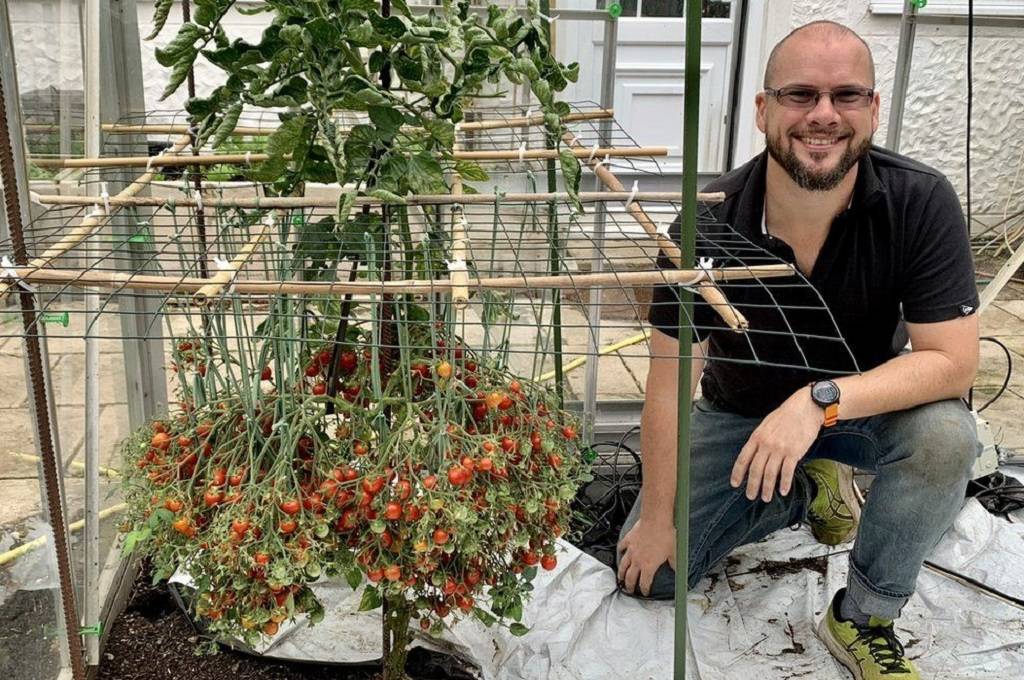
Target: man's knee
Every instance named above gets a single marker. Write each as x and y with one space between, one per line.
943 439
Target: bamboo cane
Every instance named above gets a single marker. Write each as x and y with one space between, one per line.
227 274
96 220
246 159
707 289
457 269
169 284
292 202
242 130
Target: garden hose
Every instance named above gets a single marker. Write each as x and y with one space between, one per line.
78 465
24 548
608 349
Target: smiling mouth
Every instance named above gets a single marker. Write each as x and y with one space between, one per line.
820 142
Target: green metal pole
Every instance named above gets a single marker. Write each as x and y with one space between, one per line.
691 114
554 254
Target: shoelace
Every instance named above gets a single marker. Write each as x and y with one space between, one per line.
885 648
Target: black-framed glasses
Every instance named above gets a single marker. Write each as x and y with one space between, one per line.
806 98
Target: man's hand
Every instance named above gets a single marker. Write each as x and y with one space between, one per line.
647 547
776 447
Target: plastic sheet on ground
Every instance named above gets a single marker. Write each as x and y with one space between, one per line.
754 616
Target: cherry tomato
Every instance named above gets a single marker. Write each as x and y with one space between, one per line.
548 562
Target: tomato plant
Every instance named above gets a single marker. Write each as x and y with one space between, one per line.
414 467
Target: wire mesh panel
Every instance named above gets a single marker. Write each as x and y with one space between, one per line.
373 388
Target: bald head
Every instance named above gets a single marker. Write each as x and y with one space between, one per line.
820 31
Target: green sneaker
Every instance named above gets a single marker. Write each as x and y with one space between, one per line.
871 652
834 512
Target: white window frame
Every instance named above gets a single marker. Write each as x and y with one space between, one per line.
982 8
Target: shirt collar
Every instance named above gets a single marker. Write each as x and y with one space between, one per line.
750 205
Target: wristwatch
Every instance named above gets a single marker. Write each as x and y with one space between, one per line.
825 394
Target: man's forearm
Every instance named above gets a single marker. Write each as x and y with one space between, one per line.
906 381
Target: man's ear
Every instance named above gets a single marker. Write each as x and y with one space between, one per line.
761 104
876 106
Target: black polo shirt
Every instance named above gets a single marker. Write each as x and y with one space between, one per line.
902 243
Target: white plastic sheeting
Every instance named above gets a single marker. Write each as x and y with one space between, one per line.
754 616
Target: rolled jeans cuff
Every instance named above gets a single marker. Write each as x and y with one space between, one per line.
872 602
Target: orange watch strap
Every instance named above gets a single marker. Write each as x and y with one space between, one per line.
831 415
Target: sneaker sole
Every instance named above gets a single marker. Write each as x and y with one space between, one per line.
840 653
849 496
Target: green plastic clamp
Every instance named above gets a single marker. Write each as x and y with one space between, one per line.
615 10
918 4
96 630
55 317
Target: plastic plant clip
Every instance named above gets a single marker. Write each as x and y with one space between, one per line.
7 270
918 4
615 10
63 318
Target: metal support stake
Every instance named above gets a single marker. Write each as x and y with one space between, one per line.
91 537
904 56
12 168
609 54
691 116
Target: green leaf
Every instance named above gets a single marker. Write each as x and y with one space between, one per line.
206 12
387 197
345 203
486 617
392 27
353 576
182 44
178 74
571 174
518 629
291 34
133 538
426 175
386 119
471 171
441 130
162 574
370 600
227 124
160 13
515 612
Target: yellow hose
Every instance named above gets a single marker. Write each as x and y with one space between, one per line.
78 465
576 363
24 548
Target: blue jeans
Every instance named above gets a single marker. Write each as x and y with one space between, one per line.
922 458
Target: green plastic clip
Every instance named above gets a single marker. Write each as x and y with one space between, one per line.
96 630
141 234
55 317
615 10
918 4
589 455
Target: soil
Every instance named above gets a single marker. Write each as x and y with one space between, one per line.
154 640
28 639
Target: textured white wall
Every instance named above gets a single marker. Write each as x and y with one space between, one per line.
935 114
934 129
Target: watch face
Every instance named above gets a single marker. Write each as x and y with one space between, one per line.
825 392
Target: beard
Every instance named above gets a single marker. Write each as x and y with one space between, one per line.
813 180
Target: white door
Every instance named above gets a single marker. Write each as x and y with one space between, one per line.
649 74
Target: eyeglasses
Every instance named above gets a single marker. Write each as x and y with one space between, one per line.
806 98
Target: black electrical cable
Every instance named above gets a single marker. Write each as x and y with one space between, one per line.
970 101
1009 371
